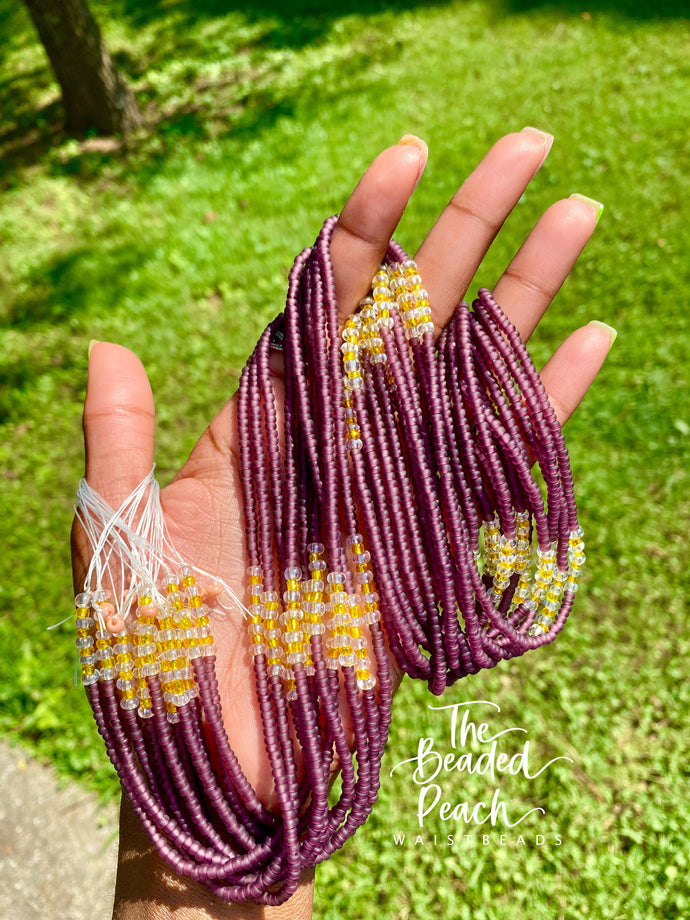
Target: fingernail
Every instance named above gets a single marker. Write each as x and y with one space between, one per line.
92 343
609 330
411 140
547 139
597 205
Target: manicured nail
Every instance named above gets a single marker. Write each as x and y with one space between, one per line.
547 142
92 343
597 205
411 140
609 330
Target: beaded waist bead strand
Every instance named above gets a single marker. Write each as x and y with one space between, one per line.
396 512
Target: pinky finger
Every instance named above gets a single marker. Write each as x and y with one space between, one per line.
571 370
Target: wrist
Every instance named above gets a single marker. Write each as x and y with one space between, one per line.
148 889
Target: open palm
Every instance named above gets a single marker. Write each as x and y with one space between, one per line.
203 504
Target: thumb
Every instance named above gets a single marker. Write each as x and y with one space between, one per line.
119 422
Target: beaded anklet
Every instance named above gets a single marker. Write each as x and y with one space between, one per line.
397 497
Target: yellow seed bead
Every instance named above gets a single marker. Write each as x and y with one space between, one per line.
362 673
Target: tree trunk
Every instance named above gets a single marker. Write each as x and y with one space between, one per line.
93 93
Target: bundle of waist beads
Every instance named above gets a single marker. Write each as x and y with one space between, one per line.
391 509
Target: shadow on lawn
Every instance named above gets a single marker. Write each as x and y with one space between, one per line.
642 10
62 286
233 101
34 135
299 23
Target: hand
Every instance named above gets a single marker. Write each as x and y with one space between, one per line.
203 505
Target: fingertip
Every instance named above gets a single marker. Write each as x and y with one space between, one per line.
574 365
599 329
411 140
590 204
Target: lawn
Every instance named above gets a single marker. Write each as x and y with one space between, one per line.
178 244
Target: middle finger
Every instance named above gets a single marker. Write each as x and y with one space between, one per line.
456 244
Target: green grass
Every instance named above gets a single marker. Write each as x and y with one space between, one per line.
178 243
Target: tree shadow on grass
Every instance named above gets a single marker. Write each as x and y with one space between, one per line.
637 10
209 107
285 24
61 288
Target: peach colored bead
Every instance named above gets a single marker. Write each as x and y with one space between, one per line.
213 591
106 609
148 610
114 623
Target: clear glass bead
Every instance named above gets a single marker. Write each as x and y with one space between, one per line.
315 608
292 596
314 629
366 683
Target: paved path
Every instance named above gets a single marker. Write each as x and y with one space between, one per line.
57 846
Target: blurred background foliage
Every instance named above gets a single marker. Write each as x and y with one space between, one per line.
177 243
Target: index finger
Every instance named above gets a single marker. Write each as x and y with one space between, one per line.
370 216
